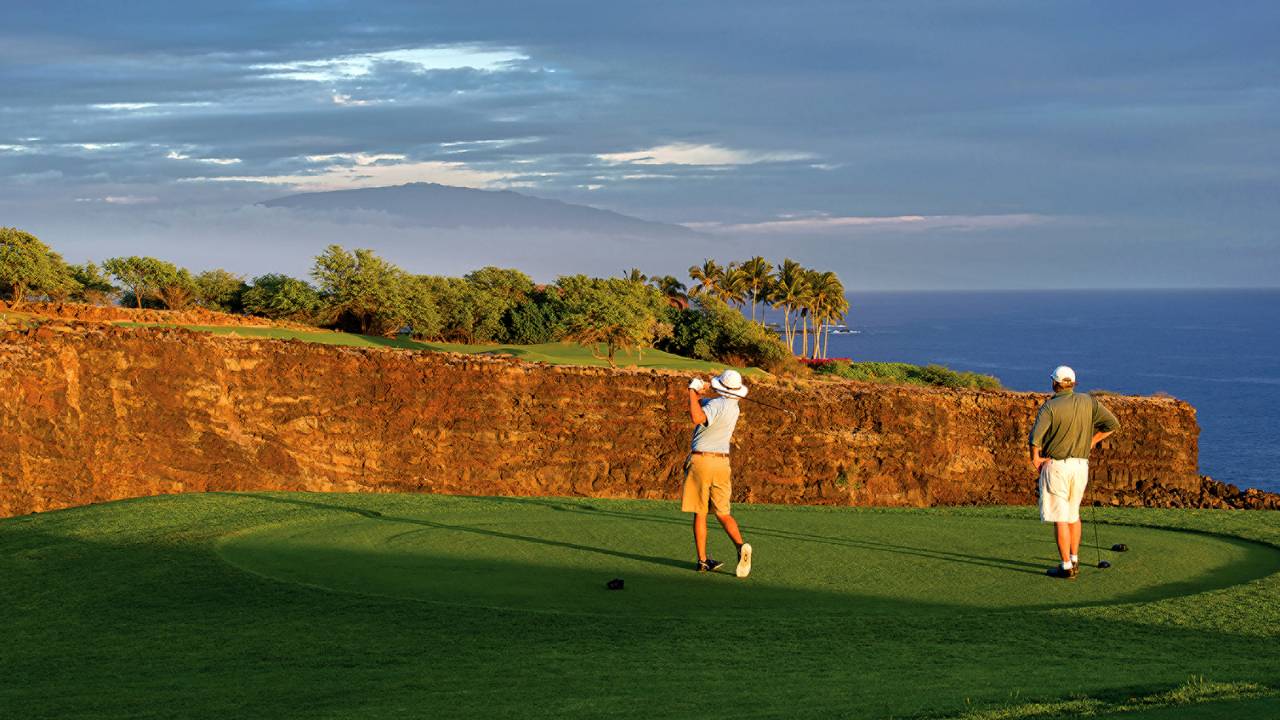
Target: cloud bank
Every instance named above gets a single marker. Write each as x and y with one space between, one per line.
797 123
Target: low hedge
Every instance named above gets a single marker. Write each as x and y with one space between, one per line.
907 374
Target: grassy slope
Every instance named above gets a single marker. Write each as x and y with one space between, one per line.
15 317
554 353
173 606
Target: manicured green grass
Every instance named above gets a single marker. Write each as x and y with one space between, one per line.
333 605
554 353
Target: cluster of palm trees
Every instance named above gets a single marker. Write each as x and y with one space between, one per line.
810 300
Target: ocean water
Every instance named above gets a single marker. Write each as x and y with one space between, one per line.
1217 349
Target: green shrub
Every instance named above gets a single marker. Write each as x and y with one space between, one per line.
281 297
538 319
693 334
907 374
711 330
220 290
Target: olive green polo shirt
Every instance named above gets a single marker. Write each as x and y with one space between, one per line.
1066 422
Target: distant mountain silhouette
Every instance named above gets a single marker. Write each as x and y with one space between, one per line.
433 205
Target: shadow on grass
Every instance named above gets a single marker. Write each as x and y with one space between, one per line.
1260 560
1263 559
756 530
375 515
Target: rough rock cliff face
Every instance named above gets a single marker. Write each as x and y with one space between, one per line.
95 412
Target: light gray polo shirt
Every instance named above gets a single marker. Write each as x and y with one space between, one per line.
722 418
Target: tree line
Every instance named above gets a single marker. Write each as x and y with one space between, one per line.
811 300
358 291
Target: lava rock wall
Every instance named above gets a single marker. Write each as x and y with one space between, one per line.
92 412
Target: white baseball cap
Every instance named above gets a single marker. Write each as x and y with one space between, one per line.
729 384
1062 374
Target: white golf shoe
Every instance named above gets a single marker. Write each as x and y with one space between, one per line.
744 561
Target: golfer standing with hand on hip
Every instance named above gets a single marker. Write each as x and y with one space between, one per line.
1067 427
706 479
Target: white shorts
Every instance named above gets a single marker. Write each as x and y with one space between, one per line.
1062 484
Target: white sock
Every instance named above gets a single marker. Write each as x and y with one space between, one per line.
1075 559
1066 565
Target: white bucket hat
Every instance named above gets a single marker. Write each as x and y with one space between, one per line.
1063 374
729 384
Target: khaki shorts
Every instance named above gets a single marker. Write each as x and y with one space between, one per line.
706 482
1062 484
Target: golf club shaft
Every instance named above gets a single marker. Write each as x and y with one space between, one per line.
769 405
1093 520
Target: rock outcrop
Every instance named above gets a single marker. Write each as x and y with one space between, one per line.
93 412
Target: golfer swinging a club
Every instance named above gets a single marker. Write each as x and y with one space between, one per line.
706 479
1067 427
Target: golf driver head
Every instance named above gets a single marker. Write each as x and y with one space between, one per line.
1103 564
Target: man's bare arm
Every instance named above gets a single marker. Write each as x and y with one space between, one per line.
695 408
1036 459
1099 437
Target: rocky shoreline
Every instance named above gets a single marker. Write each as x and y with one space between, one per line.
1213 494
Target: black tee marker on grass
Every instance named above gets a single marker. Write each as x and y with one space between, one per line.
614 584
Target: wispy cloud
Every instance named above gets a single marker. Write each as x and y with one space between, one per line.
358 158
120 199
705 154
124 106
150 108
176 155
825 224
462 146
344 99
423 59
355 170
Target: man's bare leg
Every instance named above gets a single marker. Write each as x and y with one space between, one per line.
730 526
1063 532
1076 532
700 535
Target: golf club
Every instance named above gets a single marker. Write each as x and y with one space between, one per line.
760 402
1093 520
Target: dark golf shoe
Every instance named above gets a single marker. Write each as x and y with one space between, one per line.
1059 573
709 565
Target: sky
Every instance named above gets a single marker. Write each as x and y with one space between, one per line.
904 144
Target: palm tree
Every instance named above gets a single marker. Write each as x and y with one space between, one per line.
785 293
733 286
839 309
827 303
708 275
672 289
634 275
809 310
757 271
